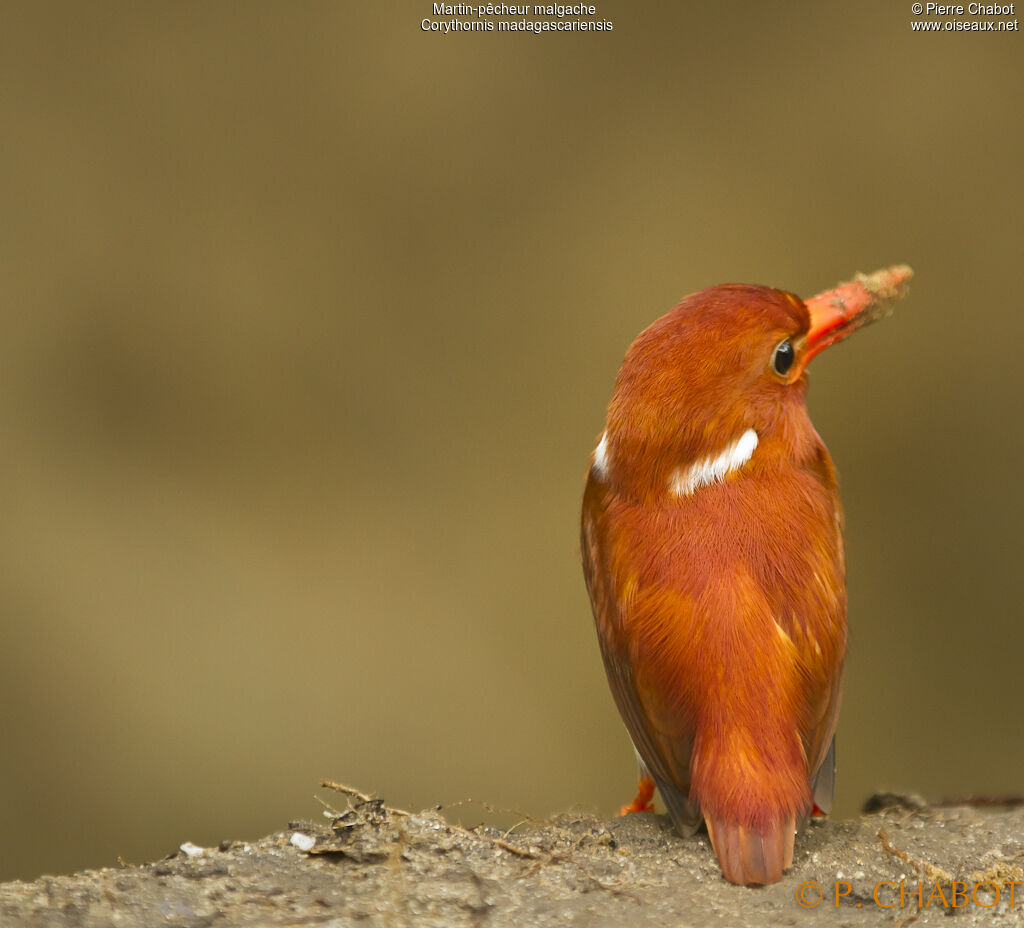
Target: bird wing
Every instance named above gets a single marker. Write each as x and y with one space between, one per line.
667 755
820 743
820 747
667 758
824 781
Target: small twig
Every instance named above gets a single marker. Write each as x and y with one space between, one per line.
360 795
559 857
541 857
335 812
921 866
514 849
515 826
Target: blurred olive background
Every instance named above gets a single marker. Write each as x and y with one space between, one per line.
309 320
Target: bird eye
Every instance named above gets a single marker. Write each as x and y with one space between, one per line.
783 357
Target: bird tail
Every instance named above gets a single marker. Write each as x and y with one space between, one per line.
753 791
751 855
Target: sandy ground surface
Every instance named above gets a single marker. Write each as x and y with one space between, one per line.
370 865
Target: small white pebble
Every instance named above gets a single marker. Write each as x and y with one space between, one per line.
193 850
302 841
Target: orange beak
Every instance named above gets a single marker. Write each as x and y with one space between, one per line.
850 306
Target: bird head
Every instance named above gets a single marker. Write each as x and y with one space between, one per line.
725 373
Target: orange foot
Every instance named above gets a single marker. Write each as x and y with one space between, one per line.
817 813
644 795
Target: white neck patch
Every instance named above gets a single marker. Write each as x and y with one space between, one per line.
687 480
600 466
